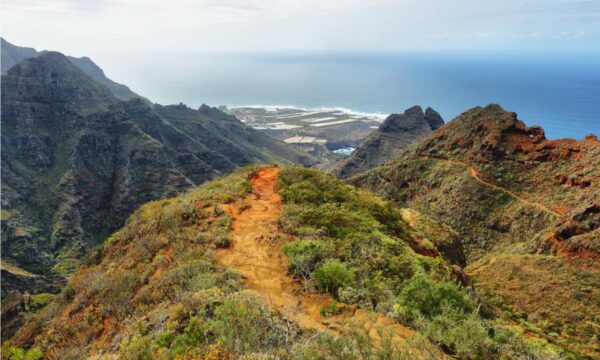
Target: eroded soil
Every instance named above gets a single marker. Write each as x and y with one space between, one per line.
256 251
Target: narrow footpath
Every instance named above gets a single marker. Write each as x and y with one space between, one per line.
256 252
475 174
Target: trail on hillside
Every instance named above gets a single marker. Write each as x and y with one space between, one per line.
475 174
256 252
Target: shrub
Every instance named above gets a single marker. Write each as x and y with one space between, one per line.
38 301
115 290
423 296
15 353
139 348
305 255
332 275
466 335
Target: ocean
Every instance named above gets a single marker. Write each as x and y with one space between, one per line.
558 91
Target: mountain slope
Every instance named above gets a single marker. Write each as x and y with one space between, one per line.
12 55
76 161
396 133
519 202
171 283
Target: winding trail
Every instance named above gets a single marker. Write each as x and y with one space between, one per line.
475 174
256 252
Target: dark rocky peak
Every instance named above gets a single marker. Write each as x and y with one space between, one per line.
136 105
12 55
52 78
434 119
204 109
400 122
51 62
395 134
216 113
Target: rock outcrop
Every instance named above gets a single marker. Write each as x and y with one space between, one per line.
396 133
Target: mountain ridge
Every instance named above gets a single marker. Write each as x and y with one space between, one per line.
76 160
13 54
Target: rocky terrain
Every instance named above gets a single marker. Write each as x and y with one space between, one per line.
527 210
12 55
396 133
76 161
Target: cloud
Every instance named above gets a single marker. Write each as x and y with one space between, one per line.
91 27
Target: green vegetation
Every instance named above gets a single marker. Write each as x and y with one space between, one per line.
38 301
157 278
15 353
359 248
516 284
154 290
350 243
155 287
429 298
331 309
333 275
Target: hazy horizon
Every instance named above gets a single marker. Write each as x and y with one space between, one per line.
215 52
102 28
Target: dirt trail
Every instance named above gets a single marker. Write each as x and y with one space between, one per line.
475 174
256 252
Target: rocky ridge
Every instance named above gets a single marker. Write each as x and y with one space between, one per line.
76 160
12 55
396 133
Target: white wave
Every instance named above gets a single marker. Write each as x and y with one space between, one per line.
272 108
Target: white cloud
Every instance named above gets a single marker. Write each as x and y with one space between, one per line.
106 27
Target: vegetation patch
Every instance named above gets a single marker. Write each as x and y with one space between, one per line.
358 248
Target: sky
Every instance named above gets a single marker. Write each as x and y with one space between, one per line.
104 28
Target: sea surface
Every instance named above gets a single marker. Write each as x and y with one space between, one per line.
558 91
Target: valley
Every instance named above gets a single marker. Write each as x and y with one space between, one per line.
134 230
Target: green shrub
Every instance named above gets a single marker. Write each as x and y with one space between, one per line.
305 255
466 335
139 348
15 353
423 296
39 301
332 275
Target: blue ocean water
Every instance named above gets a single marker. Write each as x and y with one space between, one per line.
558 91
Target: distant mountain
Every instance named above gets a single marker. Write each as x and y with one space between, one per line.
526 208
396 133
12 55
76 161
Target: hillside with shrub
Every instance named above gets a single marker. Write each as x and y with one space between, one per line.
527 211
389 281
